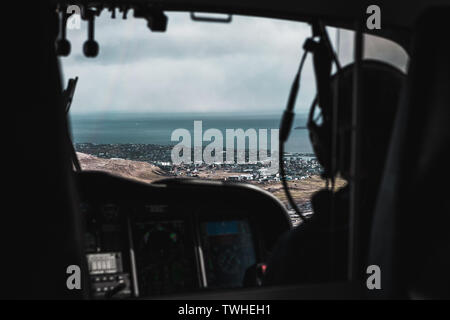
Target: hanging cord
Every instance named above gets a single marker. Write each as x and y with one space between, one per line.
286 125
288 115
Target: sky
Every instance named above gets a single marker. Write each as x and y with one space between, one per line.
245 66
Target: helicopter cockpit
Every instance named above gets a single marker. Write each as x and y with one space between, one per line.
151 193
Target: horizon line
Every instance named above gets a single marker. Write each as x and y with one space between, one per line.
185 112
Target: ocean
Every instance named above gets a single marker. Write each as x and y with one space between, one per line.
157 128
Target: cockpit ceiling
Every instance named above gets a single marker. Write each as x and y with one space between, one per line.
398 14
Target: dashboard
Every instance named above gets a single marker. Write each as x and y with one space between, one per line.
175 236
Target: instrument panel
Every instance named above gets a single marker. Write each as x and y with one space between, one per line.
147 240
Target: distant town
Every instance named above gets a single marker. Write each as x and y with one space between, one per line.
298 166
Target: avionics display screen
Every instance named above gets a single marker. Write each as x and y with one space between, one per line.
100 263
164 260
228 251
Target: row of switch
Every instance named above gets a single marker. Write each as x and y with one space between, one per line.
118 278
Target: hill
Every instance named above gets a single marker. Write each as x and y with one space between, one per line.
138 170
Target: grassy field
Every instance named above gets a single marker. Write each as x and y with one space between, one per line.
301 190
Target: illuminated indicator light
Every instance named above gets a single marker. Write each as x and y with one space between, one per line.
263 268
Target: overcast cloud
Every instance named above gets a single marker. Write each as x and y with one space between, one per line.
247 65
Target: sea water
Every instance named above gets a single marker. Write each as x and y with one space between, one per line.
157 128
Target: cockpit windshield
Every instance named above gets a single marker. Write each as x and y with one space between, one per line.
201 100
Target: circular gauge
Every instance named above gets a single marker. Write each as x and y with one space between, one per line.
160 243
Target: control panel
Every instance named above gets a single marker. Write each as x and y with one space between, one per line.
107 277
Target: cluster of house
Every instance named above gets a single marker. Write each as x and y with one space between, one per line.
297 166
